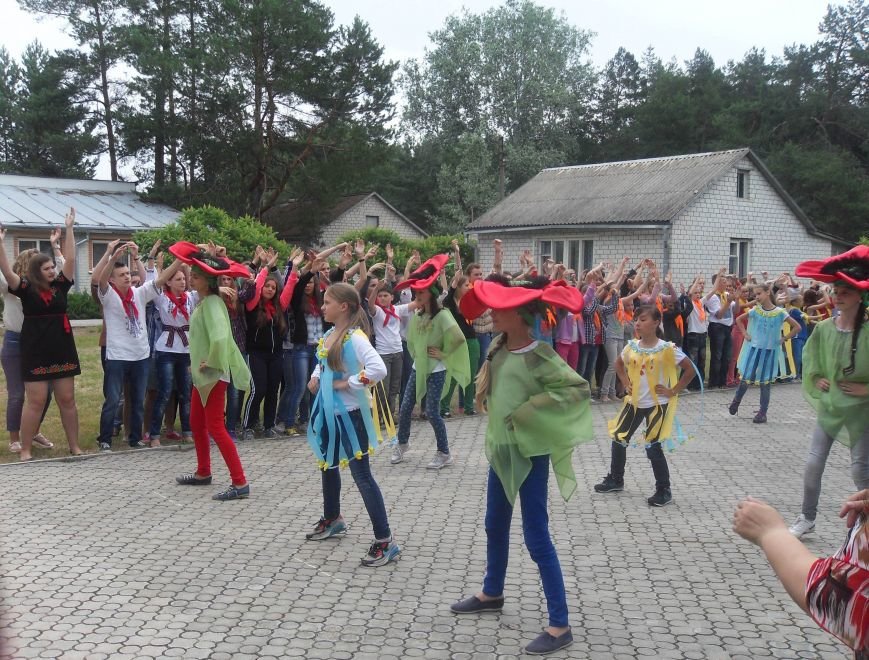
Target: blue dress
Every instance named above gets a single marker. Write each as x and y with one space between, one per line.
762 360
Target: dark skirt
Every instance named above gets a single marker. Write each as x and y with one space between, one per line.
48 348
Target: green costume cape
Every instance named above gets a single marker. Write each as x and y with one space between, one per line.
826 353
440 332
538 405
211 341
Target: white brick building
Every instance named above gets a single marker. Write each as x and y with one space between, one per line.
292 221
692 214
31 206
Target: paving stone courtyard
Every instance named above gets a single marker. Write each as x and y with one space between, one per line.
107 558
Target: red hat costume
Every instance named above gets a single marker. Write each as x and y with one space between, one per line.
485 295
851 267
417 282
210 265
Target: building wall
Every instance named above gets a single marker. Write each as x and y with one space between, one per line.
701 234
608 245
354 220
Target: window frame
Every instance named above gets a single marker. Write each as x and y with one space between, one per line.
39 243
739 257
742 183
369 218
95 260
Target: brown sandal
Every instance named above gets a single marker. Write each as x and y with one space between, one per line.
42 441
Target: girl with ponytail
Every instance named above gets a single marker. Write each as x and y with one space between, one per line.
538 411
836 376
342 431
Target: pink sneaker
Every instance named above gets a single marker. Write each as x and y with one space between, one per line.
172 435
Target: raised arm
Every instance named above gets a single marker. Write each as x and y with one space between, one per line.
251 304
12 279
68 246
457 253
497 264
110 256
167 273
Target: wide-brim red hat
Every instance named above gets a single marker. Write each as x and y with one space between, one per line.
851 267
485 295
210 265
437 262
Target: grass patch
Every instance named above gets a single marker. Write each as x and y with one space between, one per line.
88 396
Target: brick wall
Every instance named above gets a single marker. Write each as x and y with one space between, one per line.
354 220
701 234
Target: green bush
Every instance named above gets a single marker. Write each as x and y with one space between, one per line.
428 247
239 236
82 306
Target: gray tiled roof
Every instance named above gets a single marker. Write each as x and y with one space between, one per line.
41 202
650 191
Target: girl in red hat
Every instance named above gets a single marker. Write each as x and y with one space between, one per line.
538 411
439 352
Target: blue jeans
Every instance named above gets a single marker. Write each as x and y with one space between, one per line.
485 340
719 347
764 395
587 361
304 361
535 527
173 372
360 469
10 356
797 345
695 349
406 366
116 372
434 389
234 402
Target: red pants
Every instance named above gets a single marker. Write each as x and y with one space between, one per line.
736 346
207 421
568 352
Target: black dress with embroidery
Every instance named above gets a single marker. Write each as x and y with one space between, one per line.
47 345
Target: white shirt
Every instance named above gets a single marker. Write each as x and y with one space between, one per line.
713 305
164 308
694 323
404 314
389 335
372 365
645 399
127 339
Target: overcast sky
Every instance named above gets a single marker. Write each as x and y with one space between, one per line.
675 28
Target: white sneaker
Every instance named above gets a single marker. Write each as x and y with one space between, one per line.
440 460
802 526
398 452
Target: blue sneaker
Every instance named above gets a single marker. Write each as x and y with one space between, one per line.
381 553
325 529
233 493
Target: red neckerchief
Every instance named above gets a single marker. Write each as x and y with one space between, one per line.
47 296
388 311
128 302
269 307
180 304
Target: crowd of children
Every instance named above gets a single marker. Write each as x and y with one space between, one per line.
334 351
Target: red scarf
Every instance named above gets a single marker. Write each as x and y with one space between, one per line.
47 296
179 302
269 307
127 301
388 311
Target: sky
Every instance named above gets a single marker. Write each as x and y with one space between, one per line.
675 28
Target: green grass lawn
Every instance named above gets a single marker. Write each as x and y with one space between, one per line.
88 395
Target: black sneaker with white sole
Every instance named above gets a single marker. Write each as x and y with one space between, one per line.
662 497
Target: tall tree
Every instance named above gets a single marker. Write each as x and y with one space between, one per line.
94 24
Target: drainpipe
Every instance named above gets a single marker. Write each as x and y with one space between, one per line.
87 238
665 240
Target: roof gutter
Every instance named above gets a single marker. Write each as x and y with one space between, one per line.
614 225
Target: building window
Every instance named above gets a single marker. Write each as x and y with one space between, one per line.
34 244
372 221
742 183
587 255
98 249
739 253
573 256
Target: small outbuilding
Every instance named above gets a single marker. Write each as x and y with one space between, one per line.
105 210
304 222
692 214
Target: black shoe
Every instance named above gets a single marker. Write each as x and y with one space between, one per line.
190 479
446 415
610 485
546 643
106 447
662 497
733 408
470 413
138 444
760 418
473 605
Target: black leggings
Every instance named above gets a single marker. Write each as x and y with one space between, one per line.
629 423
267 371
